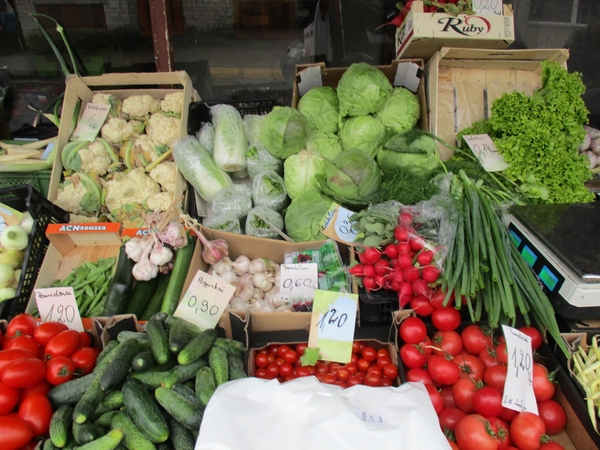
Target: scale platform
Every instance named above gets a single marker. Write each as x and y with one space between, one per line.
561 243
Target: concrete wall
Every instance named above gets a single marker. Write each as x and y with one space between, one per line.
207 15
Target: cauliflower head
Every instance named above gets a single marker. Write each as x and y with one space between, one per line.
151 148
172 103
159 202
97 157
164 129
77 218
165 174
116 130
129 187
79 194
139 107
109 99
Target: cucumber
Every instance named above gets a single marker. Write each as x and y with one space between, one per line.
112 401
119 366
144 411
141 295
105 419
181 334
182 373
120 287
109 347
109 441
179 407
178 276
205 385
133 438
169 322
160 316
197 346
235 366
233 347
48 445
155 302
143 361
151 379
70 392
157 336
188 393
181 437
141 337
217 360
164 446
60 424
85 432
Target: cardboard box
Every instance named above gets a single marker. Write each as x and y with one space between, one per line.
463 83
422 34
406 72
122 85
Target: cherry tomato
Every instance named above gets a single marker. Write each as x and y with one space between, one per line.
282 349
343 374
496 376
383 353
447 342
273 349
285 370
390 371
526 429
85 359
353 381
449 417
373 379
290 356
446 319
279 360
386 382
534 334
475 340
487 401
59 370
9 356
273 370
261 360
21 324
369 354
436 398
260 373
63 344
363 365
356 348
302 372
442 371
330 378
15 432
24 342
543 388
300 348
352 368
553 415
36 410
412 330
462 393
9 398
473 432
24 373
47 330
470 366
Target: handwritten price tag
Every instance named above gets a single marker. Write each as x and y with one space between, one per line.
488 7
484 149
518 387
58 304
205 300
337 226
298 283
332 325
91 121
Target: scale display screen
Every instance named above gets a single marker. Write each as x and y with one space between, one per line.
548 278
515 238
529 255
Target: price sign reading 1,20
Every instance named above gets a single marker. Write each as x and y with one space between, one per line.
518 387
332 318
58 304
488 7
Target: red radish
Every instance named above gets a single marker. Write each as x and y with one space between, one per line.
425 257
420 287
401 233
370 255
357 270
397 276
369 270
387 284
405 219
391 251
379 281
393 262
412 254
369 284
416 243
382 267
394 285
430 274
406 289
411 274
404 299
404 261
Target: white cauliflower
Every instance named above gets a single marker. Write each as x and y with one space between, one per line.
76 218
164 129
146 144
130 187
165 174
117 130
80 193
95 158
173 103
159 202
69 197
139 106
109 99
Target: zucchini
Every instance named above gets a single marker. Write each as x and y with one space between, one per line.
233 347
143 361
188 393
112 401
197 346
158 339
144 411
235 366
70 392
119 366
179 407
85 432
141 295
181 437
178 276
133 438
217 360
59 425
182 373
109 441
205 385
120 287
181 334
155 302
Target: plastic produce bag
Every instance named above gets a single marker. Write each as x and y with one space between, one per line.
268 189
235 200
253 413
230 138
256 225
258 159
223 222
252 125
206 136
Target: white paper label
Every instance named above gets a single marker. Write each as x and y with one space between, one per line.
408 75
518 387
337 324
372 419
309 78
298 282
484 149
488 7
89 124
205 300
58 304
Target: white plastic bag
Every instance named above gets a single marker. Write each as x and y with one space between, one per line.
303 414
317 38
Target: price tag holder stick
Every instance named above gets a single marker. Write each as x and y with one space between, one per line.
58 304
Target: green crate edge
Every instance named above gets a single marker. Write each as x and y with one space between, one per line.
39 180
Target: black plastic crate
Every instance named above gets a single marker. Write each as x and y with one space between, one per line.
376 308
26 198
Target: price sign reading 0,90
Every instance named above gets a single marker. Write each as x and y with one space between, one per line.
57 304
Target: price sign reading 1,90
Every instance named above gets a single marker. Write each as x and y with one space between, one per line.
58 304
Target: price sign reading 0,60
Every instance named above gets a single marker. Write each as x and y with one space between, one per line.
61 313
332 319
202 306
288 284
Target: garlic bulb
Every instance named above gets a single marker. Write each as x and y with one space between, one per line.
263 281
238 304
241 265
258 265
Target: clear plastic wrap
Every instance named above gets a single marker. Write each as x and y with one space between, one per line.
256 225
258 159
268 189
206 136
235 200
223 222
252 124
230 138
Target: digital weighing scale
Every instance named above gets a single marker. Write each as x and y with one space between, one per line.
561 243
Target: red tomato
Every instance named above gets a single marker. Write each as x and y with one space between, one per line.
47 330
543 388
300 348
37 411
501 429
426 346
59 370
475 340
442 371
21 324
551 445
373 379
273 349
343 374
421 305
488 358
462 393
383 353
412 356
261 360
279 360
285 370
553 415
449 417
473 432
383 361
502 353
15 432
353 381
260 373
446 319
487 401
453 445
496 376
356 347
43 387
85 339
470 366
534 334
447 342
361 376
322 367
85 359
273 370
9 356
418 375
302 372
9 397
1 336
508 415
386 382
363 365
412 330
24 342
446 392
436 398
341 384
282 349
375 369
330 378
526 429
390 372
352 368
437 299
289 356
369 353
63 344
24 373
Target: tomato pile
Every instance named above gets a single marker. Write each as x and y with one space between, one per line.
368 366
464 374
33 359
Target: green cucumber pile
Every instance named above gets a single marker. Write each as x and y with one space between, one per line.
148 390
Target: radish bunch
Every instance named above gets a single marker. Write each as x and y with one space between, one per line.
405 266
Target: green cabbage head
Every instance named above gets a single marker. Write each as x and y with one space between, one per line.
401 111
326 144
300 172
320 105
364 133
303 216
284 131
411 149
363 89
